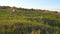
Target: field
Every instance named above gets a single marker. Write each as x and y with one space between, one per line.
29 21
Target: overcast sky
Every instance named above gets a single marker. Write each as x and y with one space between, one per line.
40 4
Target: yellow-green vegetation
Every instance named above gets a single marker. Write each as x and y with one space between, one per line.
28 20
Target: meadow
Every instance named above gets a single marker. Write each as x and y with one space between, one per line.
28 21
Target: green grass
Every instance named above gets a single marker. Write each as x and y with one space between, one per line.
27 18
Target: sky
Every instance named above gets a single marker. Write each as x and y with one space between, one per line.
37 4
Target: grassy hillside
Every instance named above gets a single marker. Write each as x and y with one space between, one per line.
28 20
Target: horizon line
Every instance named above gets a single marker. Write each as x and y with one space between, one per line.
30 8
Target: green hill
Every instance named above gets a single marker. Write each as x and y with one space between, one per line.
28 20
